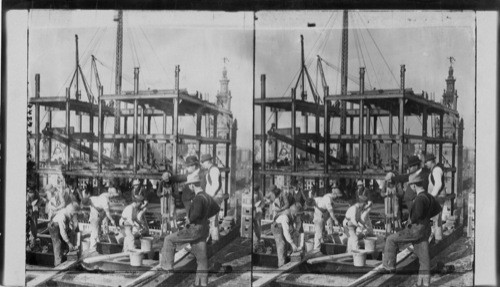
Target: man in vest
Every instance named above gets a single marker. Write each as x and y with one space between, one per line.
437 189
59 227
417 232
352 221
213 188
323 212
130 222
282 228
99 209
195 233
367 208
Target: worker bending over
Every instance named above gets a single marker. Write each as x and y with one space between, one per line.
365 212
130 223
195 233
282 228
59 228
99 209
323 212
213 188
352 221
417 232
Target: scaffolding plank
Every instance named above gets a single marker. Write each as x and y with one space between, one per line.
74 105
203 140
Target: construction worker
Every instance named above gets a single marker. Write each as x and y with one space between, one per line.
195 233
282 228
323 212
352 222
213 187
130 223
59 227
281 201
192 166
391 202
417 232
99 209
258 206
437 189
365 212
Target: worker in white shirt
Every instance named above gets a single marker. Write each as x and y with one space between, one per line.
437 189
99 209
365 213
323 212
282 228
213 188
59 227
129 222
352 221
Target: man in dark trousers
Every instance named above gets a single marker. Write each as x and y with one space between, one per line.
437 189
195 233
59 227
283 228
416 232
214 189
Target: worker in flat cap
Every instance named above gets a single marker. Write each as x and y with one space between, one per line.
214 189
365 192
99 210
195 233
130 222
60 228
437 189
353 224
417 232
324 213
283 227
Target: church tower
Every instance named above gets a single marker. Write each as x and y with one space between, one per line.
224 101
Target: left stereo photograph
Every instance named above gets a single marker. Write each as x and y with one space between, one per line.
139 154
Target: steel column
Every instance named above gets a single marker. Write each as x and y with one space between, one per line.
361 129
37 122
165 132
326 132
441 123
136 107
263 134
294 135
401 129
68 148
100 132
424 129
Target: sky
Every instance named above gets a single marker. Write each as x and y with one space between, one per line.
380 41
154 41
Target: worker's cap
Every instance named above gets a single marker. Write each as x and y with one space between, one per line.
112 191
416 177
193 177
335 184
294 182
363 199
50 188
136 182
138 198
256 186
166 176
361 183
191 160
205 157
31 190
429 157
389 176
273 188
413 160
337 193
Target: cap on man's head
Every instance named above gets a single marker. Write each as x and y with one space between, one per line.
413 160
294 182
389 176
136 182
429 157
166 176
191 160
416 177
361 183
138 198
193 177
205 157
337 193
256 186
112 191
273 188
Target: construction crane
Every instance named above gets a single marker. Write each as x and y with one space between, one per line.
349 76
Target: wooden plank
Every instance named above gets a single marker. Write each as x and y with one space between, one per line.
265 280
328 258
50 274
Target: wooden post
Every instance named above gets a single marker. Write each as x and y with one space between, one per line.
424 130
148 145
368 132
401 129
49 121
91 128
316 124
125 132
441 120
198 129
294 135
68 148
136 107
361 128
374 149
326 132
214 146
37 122
100 127
175 121
164 133
263 134
141 143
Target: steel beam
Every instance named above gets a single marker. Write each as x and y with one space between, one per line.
326 132
37 122
68 148
361 133
263 132
401 121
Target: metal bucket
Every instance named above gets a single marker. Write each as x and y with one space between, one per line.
309 245
135 259
359 258
146 243
370 243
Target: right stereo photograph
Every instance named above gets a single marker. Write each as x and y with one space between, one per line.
364 148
